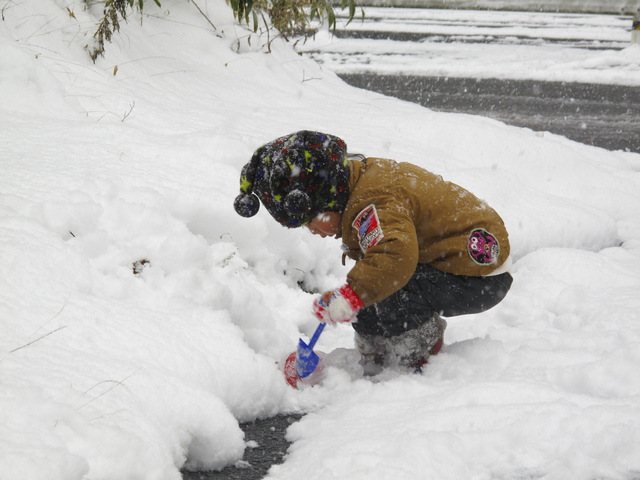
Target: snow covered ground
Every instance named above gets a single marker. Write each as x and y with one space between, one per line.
481 44
110 374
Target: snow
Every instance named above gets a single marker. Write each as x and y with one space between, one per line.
110 374
479 44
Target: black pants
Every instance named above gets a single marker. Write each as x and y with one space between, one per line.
431 291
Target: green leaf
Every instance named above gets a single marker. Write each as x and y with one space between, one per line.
332 18
255 20
352 10
249 7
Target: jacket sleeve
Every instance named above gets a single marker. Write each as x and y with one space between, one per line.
388 263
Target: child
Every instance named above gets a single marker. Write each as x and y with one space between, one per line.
423 247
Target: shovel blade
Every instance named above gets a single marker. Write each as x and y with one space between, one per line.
306 360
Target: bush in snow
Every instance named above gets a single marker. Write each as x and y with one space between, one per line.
286 16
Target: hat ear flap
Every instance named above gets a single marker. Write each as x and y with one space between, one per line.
249 171
297 203
247 203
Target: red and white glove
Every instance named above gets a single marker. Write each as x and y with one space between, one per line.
336 306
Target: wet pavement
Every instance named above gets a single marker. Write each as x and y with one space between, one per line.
266 446
606 116
405 53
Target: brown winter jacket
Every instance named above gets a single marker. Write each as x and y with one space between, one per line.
399 215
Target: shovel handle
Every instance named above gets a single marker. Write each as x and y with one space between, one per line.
316 335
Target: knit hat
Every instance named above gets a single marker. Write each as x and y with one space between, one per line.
296 177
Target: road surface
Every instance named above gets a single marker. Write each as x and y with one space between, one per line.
575 75
606 116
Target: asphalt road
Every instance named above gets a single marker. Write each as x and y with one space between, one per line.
388 49
606 116
268 447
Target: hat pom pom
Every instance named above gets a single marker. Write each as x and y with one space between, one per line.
297 202
247 205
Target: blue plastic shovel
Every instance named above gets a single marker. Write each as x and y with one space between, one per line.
306 359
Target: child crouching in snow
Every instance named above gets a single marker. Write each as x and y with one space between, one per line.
423 247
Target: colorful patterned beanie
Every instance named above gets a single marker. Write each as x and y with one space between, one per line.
296 177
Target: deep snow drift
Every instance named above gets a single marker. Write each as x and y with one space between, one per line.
106 373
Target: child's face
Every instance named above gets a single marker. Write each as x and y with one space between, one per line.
325 224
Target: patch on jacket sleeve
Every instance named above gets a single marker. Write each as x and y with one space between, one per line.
483 247
367 224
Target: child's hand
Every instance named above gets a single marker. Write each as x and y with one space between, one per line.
336 306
